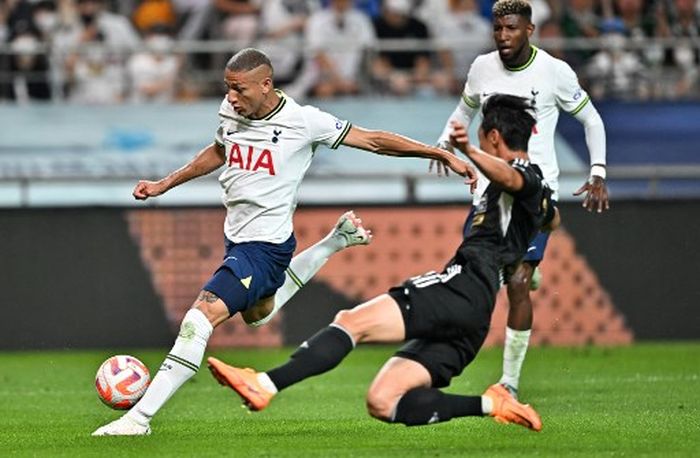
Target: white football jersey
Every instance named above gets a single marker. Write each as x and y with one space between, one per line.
549 82
266 160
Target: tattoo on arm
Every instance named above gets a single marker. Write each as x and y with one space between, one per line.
209 297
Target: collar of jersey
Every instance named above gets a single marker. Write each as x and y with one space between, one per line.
277 109
526 64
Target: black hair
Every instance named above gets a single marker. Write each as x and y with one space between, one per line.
248 59
507 7
512 117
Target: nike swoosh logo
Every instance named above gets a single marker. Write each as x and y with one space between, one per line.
230 132
230 257
532 248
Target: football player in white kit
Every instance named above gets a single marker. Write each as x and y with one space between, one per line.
521 69
266 142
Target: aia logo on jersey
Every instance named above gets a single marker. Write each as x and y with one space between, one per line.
252 159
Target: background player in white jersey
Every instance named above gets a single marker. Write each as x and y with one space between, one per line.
518 68
265 141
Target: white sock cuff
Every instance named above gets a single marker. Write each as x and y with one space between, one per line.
486 405
202 326
517 334
352 340
267 382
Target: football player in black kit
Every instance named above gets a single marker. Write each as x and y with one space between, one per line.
444 317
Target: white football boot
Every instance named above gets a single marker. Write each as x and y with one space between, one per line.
123 426
350 228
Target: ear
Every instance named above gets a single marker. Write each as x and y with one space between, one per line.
530 29
266 84
494 138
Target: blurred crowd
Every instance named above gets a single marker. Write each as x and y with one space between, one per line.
106 52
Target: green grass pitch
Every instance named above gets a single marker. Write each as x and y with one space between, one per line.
642 400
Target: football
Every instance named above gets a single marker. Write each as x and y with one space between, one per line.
121 381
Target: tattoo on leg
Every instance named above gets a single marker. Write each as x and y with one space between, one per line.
208 297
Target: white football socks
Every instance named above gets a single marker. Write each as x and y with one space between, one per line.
179 366
302 268
266 382
486 405
514 355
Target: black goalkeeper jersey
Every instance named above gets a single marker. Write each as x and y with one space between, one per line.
503 223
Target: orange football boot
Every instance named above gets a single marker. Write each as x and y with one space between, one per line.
242 381
507 410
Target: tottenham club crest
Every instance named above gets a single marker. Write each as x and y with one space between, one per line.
534 93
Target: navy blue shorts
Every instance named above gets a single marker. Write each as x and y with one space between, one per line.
535 251
251 271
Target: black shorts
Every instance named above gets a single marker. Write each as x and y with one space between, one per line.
447 317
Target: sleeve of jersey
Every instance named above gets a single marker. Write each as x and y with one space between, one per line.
470 94
219 135
325 128
531 182
570 96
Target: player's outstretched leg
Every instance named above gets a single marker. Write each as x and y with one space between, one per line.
377 320
347 232
179 366
319 354
504 408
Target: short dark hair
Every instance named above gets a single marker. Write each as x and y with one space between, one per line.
512 117
507 7
248 59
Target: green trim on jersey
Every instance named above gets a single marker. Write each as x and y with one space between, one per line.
526 64
580 106
278 108
470 103
218 143
342 136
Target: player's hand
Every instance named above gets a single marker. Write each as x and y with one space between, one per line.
596 197
145 189
462 168
440 167
459 138
470 178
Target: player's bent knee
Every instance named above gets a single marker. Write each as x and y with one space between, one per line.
380 407
212 307
521 276
519 281
381 403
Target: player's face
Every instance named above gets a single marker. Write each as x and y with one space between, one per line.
512 36
246 91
